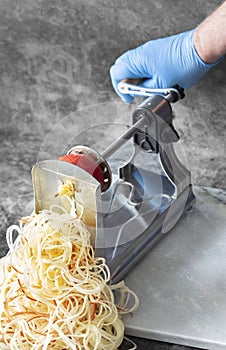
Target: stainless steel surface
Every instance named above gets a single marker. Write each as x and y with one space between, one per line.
181 282
139 207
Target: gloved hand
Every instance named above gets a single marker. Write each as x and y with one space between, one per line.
164 62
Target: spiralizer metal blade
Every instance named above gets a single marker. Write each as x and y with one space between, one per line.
48 176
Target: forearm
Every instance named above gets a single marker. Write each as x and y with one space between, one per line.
210 36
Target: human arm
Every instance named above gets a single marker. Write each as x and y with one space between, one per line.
210 36
180 59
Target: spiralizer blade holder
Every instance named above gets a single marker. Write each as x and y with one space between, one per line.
136 203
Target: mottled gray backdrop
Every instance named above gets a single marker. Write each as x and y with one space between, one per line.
55 58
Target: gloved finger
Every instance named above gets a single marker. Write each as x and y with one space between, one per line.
150 83
127 66
118 72
123 58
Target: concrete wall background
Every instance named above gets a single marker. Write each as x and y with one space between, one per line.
55 58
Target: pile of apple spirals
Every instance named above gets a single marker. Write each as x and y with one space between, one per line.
54 292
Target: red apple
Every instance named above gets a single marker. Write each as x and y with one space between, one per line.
87 164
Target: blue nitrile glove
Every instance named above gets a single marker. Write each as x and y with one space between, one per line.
164 62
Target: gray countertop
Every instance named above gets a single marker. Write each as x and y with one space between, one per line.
181 282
